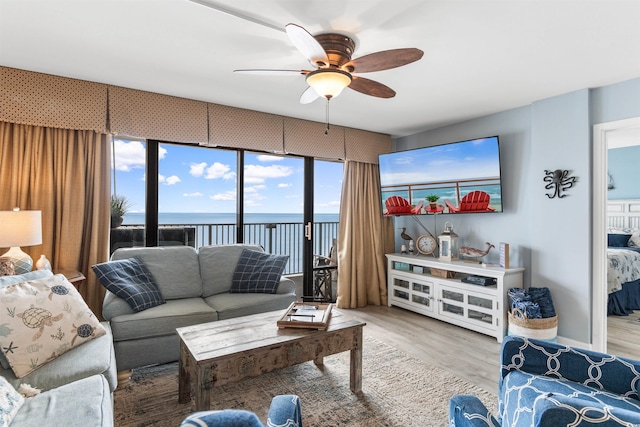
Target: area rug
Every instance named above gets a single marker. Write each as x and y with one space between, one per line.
397 390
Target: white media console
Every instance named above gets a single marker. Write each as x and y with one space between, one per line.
411 285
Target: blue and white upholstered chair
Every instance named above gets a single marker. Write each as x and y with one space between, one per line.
285 410
551 385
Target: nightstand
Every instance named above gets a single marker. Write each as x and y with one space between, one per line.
75 277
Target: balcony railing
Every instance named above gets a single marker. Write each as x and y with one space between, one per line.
276 238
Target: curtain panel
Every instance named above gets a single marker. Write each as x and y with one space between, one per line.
364 237
64 174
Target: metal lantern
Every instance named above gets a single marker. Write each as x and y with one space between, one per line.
448 243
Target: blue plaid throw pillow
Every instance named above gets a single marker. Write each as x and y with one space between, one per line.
130 280
258 272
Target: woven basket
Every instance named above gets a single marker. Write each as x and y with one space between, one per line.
445 274
542 329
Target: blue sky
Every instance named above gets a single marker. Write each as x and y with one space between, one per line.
195 179
465 160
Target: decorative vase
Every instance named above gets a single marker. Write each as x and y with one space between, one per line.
433 206
116 221
43 263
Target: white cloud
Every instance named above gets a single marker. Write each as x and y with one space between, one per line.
268 158
197 169
284 185
196 194
171 180
257 174
218 170
227 195
254 188
132 155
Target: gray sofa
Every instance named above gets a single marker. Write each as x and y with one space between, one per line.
195 285
77 387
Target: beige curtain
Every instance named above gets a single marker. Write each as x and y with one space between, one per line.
64 174
364 237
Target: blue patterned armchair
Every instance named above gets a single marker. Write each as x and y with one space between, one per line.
285 410
549 385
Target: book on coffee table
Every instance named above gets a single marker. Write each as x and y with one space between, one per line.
308 315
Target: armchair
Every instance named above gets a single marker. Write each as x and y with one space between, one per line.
285 410
548 384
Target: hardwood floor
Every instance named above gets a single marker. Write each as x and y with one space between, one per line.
623 335
471 356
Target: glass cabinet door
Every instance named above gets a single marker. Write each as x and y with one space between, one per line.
422 294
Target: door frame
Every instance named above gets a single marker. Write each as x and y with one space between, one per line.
599 294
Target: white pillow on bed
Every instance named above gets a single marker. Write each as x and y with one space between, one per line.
634 240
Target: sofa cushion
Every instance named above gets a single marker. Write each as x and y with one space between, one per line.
48 317
130 280
258 272
174 268
162 320
235 305
10 402
520 391
82 403
95 357
217 266
553 409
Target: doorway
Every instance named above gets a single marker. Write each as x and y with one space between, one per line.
601 134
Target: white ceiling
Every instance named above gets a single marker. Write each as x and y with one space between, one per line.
480 56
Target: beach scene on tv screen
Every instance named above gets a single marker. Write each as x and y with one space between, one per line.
464 176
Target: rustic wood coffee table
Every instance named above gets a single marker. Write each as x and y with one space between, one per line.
217 353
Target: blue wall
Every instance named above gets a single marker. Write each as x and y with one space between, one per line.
623 167
551 238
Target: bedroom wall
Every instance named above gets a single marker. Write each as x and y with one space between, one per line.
623 167
549 237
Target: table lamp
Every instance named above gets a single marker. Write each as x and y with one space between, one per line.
20 228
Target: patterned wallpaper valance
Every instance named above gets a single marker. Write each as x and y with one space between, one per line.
364 146
306 138
239 128
38 99
155 116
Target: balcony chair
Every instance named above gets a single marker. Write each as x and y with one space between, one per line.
285 410
397 205
545 384
475 201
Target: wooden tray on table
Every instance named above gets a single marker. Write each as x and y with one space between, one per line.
308 315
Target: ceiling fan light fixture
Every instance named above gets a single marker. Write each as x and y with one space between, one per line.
328 83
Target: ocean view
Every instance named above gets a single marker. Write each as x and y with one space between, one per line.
225 218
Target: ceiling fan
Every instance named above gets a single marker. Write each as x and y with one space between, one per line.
333 69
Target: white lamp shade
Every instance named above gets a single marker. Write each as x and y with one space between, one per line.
328 83
20 228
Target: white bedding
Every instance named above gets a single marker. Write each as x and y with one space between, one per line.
623 267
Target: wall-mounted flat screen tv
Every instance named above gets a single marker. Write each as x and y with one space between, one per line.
459 177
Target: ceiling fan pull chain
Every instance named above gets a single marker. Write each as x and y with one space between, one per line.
326 131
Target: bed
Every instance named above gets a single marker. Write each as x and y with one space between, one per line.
623 256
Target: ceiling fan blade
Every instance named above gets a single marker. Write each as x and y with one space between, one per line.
384 60
307 44
274 72
371 87
308 96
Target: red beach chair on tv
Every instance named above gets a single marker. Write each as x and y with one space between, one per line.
397 205
476 201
